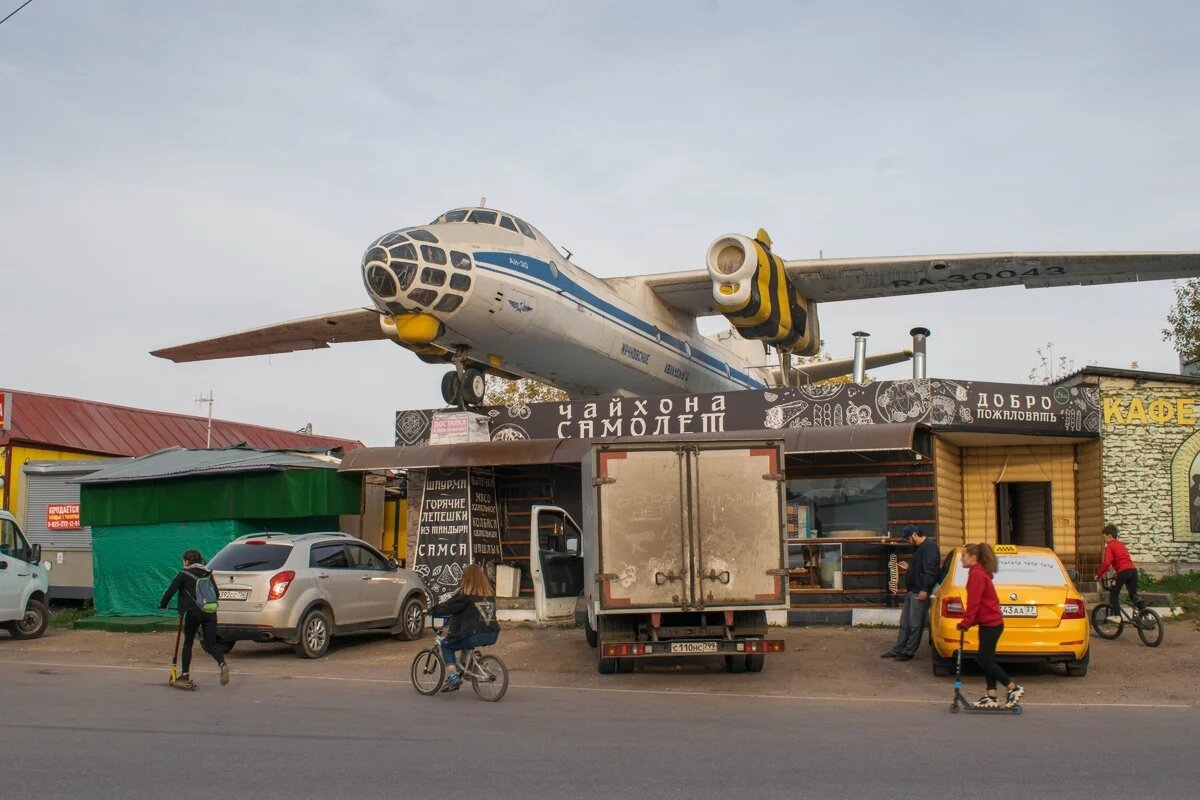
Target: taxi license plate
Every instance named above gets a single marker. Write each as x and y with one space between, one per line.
693 647
1019 611
233 594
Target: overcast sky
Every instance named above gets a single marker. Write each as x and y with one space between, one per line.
173 171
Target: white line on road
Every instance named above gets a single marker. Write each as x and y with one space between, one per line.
666 692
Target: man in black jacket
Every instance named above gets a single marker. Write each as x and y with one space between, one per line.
919 582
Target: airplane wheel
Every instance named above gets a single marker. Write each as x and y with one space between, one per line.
450 388
474 387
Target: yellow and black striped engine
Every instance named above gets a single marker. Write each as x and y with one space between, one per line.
752 290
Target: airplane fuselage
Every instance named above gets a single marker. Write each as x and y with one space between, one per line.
527 310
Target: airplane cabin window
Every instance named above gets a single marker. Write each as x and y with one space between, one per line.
460 260
455 216
449 303
687 349
405 273
554 269
434 255
505 222
422 297
460 282
422 236
392 238
483 217
405 251
525 229
380 281
433 277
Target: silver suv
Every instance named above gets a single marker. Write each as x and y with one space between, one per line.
303 589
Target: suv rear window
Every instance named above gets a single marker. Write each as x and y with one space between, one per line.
246 557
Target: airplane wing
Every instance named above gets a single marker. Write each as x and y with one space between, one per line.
310 333
832 279
824 370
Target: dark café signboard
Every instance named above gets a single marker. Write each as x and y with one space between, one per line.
943 404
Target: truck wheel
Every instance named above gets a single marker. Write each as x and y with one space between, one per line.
33 623
589 632
735 664
613 630
607 666
624 665
755 662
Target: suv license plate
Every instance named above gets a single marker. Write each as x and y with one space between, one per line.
1019 611
233 594
693 647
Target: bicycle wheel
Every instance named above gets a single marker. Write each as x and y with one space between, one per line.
1150 627
1100 624
428 672
496 684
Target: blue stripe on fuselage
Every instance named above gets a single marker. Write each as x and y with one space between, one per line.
539 271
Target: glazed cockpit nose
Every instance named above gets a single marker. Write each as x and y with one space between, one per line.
411 270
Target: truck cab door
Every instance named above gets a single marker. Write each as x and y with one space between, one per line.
556 565
12 585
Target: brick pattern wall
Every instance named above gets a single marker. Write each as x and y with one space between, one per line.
1142 435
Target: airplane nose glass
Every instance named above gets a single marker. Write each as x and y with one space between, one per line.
380 281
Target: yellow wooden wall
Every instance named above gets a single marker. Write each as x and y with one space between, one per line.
984 467
390 528
947 464
1090 507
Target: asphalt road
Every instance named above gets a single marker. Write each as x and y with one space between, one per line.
71 732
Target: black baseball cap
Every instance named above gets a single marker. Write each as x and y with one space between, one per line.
910 529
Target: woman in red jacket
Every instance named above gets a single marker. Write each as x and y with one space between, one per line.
983 607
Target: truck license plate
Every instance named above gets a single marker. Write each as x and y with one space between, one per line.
1019 611
233 594
693 647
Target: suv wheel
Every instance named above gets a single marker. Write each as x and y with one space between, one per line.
315 632
33 623
412 619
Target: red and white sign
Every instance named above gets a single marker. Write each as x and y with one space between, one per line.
5 410
62 517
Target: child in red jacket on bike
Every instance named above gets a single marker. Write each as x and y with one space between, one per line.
1116 555
983 607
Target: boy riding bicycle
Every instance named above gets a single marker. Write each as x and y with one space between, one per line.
472 624
1116 555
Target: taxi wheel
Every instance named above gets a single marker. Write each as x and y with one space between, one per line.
1079 669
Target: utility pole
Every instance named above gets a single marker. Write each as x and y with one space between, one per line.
209 401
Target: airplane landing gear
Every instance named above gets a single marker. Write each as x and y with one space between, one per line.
464 387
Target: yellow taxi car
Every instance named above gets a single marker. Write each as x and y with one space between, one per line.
1045 618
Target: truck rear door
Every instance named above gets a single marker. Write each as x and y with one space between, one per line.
738 526
642 528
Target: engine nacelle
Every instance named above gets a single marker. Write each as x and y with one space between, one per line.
752 290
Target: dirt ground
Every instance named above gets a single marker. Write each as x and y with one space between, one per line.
820 662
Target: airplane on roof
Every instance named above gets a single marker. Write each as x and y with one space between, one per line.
485 292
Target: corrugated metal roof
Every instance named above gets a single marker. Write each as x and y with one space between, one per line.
105 429
179 463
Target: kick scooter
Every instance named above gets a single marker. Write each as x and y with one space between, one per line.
964 703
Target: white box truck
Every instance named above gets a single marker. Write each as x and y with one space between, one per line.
681 552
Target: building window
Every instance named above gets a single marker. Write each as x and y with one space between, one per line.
837 507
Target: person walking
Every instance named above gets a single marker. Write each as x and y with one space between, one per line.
983 608
1116 555
919 581
195 618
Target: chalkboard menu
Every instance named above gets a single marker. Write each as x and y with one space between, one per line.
485 522
459 525
443 531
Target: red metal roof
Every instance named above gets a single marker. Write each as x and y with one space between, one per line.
104 429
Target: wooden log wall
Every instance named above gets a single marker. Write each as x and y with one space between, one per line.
1089 508
948 472
984 467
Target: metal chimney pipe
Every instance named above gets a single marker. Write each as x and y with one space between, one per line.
860 357
919 335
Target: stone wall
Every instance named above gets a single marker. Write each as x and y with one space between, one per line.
1151 442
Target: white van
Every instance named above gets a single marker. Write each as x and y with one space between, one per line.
24 583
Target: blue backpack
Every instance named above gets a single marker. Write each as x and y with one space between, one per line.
206 594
